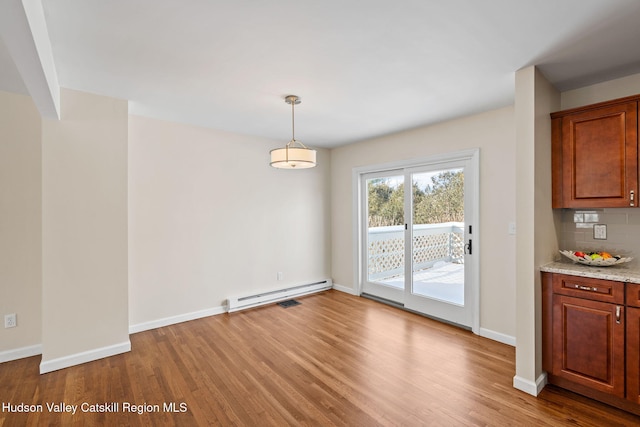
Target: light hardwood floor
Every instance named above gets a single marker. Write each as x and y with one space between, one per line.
335 359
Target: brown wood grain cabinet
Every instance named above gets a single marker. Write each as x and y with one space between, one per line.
595 155
591 338
633 342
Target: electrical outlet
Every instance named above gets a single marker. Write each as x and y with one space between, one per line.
10 321
600 231
280 275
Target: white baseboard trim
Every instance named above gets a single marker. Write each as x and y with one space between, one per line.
172 320
497 336
345 289
84 357
530 387
20 353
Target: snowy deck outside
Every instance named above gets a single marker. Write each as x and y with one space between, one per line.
438 259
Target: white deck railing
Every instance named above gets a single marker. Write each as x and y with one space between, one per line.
431 243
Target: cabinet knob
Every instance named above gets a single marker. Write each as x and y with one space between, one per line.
618 310
632 194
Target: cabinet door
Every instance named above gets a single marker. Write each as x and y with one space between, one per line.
600 157
633 354
588 343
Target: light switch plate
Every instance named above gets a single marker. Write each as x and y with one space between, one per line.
600 231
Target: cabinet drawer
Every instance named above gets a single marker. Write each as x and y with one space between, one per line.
588 288
633 295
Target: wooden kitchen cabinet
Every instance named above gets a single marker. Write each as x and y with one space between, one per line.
595 155
588 333
633 343
590 344
591 338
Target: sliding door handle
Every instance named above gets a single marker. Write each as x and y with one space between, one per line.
468 248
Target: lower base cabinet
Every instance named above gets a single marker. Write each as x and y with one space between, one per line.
591 338
633 355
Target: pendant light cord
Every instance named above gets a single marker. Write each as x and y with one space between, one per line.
293 100
293 121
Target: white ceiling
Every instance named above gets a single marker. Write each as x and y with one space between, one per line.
362 68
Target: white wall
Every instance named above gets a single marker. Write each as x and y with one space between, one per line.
547 221
605 91
84 231
20 231
209 219
494 133
537 238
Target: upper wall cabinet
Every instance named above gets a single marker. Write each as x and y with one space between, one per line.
595 155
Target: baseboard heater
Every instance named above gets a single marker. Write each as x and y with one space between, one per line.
250 301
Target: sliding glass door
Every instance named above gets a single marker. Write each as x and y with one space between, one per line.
417 234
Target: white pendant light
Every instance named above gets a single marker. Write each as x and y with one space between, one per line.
295 155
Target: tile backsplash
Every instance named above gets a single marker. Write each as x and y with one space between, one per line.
622 231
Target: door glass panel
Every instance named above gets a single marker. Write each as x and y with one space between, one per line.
438 235
385 231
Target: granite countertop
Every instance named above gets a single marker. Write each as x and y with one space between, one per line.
620 273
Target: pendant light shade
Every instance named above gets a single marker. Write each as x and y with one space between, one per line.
295 155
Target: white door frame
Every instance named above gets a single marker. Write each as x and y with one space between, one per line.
473 155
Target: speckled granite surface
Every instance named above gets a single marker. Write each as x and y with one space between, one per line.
620 273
